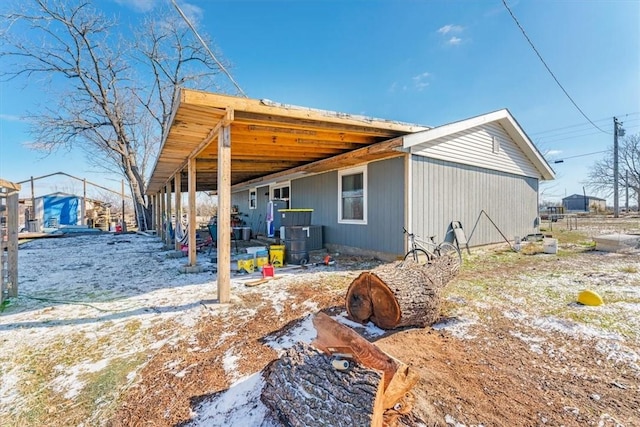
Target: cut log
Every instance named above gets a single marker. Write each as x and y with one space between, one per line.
334 337
308 387
303 389
400 294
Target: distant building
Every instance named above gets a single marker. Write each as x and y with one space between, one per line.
579 202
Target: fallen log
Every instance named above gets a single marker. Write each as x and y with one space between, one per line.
400 294
306 387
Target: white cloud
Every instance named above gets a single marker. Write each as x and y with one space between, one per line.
193 12
138 5
553 152
454 41
420 81
450 28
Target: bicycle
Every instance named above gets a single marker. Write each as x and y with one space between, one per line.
422 251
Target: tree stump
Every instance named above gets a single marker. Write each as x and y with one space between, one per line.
400 294
303 389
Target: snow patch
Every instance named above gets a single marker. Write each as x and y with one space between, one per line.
238 406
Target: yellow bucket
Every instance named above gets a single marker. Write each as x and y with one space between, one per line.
276 255
262 258
245 263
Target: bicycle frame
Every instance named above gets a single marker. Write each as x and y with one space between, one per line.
423 251
416 243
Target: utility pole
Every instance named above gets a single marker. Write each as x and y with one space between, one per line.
615 168
617 131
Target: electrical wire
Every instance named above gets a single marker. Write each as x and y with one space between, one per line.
608 119
207 48
554 138
582 155
549 69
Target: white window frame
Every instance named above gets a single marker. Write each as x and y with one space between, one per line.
353 171
280 185
253 199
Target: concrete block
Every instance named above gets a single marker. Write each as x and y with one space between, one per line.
191 268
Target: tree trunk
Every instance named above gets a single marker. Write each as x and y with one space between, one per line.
303 389
400 294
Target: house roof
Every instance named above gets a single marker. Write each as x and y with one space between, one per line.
502 117
268 140
581 196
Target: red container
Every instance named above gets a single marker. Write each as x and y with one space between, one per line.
267 270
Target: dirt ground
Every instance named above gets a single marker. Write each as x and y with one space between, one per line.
512 348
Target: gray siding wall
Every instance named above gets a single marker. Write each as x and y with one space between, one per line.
444 191
386 213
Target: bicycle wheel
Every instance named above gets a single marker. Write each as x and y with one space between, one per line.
418 255
450 250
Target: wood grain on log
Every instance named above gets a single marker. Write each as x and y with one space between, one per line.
303 389
400 294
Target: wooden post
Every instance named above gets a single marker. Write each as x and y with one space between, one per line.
178 203
168 241
224 213
163 214
12 242
156 199
33 201
84 202
192 212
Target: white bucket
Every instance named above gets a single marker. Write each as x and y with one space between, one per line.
550 246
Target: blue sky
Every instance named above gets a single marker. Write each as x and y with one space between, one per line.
426 62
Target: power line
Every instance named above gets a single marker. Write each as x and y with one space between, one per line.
207 48
587 124
554 139
580 155
547 67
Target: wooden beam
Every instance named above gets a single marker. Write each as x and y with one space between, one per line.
9 185
391 146
245 105
191 170
224 214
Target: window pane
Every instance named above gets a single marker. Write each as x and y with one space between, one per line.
352 197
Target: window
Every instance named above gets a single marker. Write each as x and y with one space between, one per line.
253 204
496 144
352 196
280 192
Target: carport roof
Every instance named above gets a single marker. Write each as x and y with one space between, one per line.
268 140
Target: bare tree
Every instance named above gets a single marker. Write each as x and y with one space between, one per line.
600 178
117 96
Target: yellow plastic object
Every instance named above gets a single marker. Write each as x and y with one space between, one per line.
245 263
588 297
276 255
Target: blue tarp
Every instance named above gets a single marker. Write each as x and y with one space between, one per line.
60 210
